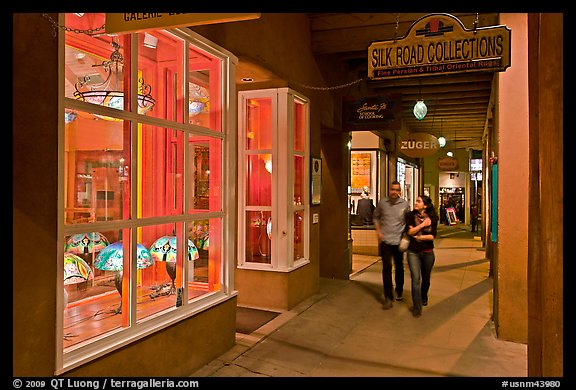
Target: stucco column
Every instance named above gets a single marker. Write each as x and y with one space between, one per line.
512 239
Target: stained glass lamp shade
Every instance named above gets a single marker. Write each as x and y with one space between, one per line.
86 243
76 270
106 93
164 249
203 241
420 110
111 259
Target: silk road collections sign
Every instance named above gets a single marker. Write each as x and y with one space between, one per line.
373 113
418 145
440 44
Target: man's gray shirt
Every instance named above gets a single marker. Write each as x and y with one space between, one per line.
392 220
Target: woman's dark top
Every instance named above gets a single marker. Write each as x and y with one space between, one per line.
365 209
413 218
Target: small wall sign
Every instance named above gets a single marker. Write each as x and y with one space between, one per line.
316 180
447 163
373 113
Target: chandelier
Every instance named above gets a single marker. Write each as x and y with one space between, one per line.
105 95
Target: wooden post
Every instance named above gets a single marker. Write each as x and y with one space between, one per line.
545 256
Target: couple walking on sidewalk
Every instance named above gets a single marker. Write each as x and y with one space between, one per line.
393 218
342 330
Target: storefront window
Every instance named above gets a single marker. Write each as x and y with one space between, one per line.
142 237
205 174
203 87
97 167
160 75
93 264
204 276
273 131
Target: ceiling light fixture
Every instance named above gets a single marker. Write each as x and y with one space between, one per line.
150 41
105 95
420 108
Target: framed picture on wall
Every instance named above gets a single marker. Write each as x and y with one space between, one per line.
361 170
316 180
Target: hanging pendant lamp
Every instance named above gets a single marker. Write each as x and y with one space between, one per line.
420 109
441 139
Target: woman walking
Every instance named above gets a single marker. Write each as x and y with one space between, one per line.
421 226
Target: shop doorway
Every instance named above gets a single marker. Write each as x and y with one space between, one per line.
452 197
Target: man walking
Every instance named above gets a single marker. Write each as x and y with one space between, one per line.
389 222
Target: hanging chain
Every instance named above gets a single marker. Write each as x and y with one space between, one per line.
397 24
476 23
355 81
56 26
329 88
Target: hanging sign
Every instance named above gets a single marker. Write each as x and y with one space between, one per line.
418 145
440 44
447 163
373 113
138 21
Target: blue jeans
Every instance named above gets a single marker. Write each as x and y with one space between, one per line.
387 253
420 264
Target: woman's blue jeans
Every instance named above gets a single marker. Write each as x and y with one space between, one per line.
420 264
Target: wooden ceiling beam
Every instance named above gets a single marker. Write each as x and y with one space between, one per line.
337 33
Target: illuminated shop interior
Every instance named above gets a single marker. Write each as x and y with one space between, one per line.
143 179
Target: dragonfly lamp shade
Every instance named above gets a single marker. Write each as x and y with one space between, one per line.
164 249
111 258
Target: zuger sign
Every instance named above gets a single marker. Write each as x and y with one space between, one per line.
418 145
439 44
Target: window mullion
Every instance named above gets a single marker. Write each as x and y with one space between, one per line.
281 181
132 318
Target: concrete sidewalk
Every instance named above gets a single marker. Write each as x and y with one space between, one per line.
344 332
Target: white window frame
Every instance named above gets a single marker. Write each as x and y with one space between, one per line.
88 351
283 207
